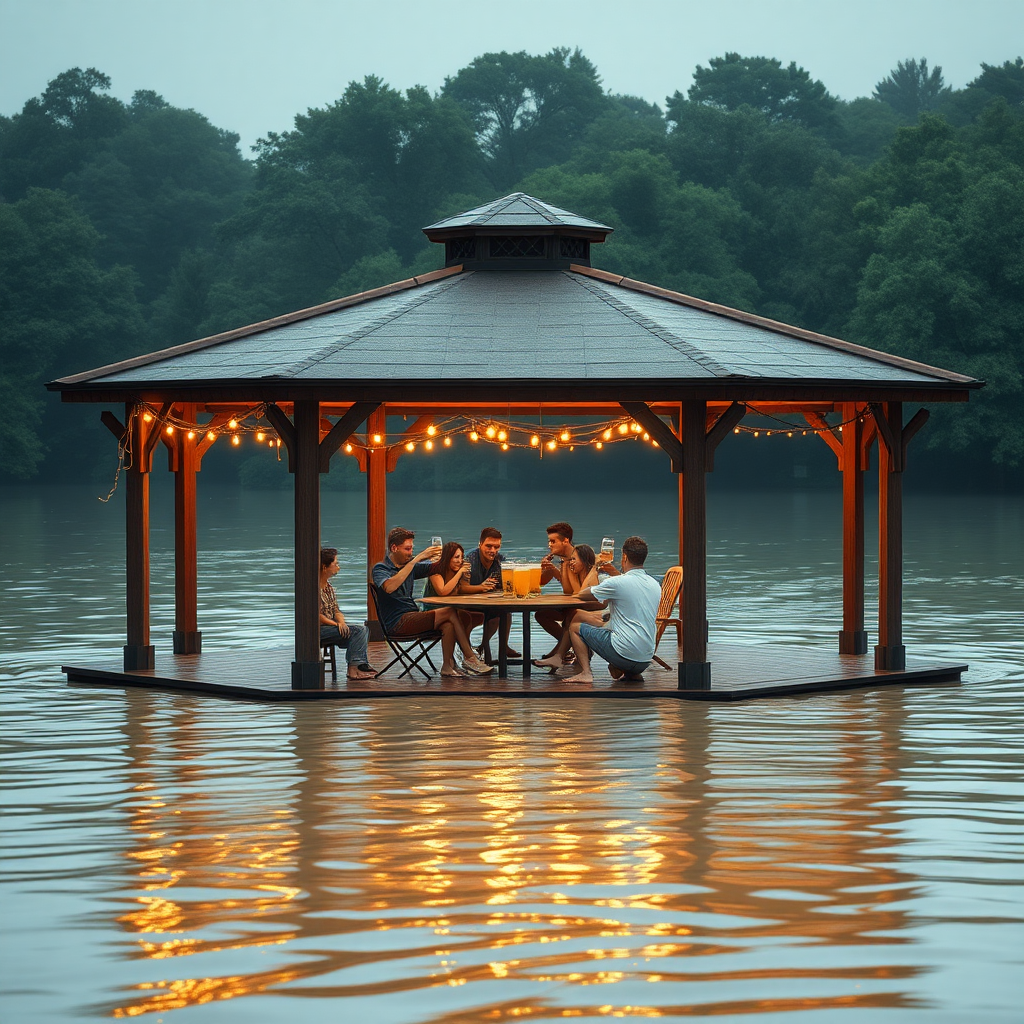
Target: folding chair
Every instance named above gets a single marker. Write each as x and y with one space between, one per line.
670 587
409 650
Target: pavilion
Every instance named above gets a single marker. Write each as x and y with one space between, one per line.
517 291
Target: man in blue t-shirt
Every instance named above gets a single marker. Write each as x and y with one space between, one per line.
627 640
394 578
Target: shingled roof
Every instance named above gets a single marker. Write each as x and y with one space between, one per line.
493 324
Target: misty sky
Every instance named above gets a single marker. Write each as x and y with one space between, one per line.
251 65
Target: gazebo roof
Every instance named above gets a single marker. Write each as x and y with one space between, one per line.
516 328
517 210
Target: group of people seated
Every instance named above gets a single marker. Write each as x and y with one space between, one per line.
617 620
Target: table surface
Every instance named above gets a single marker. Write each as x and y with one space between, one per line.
500 602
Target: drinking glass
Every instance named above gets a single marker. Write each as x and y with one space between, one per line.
535 571
508 579
607 552
435 542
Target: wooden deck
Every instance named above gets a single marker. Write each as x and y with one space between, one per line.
739 672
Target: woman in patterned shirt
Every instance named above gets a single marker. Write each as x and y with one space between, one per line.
334 628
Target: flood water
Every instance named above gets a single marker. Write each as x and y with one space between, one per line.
846 857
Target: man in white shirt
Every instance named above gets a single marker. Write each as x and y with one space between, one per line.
626 641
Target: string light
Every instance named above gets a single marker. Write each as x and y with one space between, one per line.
474 436
504 446
410 447
191 435
431 430
146 418
490 431
211 436
502 435
169 430
377 439
260 436
348 449
607 435
623 428
564 435
235 439
447 442
429 445
233 424
599 445
552 445
534 441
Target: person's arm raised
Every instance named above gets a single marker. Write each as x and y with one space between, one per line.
390 585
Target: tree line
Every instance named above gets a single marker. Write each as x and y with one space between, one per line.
895 220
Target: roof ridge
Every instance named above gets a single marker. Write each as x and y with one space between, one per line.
670 338
263 325
773 325
374 325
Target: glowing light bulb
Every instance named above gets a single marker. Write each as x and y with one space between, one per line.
232 424
474 436
235 439
504 447
377 439
279 442
607 435
502 436
535 440
647 436
429 445
600 445
757 433
260 436
270 444
431 430
623 428
565 436
552 445
447 442
348 449
735 430
191 435
169 430
410 447
491 431
790 434
147 418
211 436
769 434
655 443
635 427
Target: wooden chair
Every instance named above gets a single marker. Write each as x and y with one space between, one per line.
410 650
670 587
328 657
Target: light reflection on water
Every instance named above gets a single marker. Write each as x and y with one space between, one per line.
449 861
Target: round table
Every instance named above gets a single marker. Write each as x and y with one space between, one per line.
499 605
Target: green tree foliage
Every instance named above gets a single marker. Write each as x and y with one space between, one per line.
911 88
60 313
895 221
527 111
780 93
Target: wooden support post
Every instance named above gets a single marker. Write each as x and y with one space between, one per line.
694 669
890 652
186 638
307 668
138 652
376 508
853 638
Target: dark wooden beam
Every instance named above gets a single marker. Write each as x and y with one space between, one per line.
659 430
154 432
286 432
307 668
853 638
138 652
376 509
694 668
890 652
720 430
343 430
113 424
916 422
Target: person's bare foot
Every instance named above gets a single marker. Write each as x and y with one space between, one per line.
568 671
451 672
551 661
580 677
358 673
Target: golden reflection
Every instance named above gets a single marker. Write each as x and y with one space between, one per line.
382 856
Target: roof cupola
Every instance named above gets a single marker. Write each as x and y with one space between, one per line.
517 233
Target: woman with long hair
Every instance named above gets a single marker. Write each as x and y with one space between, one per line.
583 562
446 577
